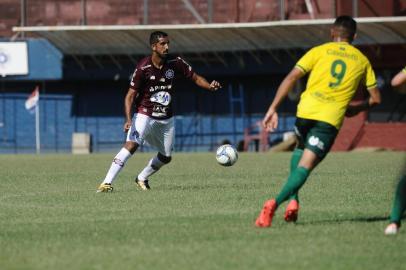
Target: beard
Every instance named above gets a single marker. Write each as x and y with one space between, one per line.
163 55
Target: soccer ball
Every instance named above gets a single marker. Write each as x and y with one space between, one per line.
226 155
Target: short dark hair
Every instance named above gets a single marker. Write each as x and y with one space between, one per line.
348 25
155 36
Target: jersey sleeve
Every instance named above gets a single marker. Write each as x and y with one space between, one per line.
307 62
185 69
137 79
370 80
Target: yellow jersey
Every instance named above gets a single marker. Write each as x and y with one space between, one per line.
336 69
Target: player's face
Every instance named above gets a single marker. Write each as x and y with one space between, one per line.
161 47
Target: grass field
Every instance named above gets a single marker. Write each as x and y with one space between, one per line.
198 215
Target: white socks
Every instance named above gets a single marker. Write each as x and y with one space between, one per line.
118 163
153 166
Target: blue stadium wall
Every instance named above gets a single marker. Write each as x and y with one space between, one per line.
203 119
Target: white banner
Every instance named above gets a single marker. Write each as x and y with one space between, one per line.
13 58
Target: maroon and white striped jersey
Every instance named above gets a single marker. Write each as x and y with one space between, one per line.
155 87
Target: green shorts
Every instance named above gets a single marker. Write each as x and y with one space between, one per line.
315 135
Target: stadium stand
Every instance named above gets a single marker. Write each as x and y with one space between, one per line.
86 48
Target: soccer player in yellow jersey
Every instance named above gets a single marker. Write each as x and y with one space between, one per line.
335 71
399 203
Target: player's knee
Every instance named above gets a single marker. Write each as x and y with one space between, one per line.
164 159
131 147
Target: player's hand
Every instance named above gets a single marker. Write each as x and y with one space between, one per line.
270 121
127 126
214 86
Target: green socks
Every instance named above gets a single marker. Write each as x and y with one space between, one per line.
295 181
294 161
399 204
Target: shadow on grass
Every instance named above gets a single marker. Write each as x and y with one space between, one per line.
343 220
205 186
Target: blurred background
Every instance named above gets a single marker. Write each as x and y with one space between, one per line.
81 55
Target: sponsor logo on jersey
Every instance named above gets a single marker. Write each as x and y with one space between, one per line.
161 97
160 87
160 109
155 114
169 74
162 79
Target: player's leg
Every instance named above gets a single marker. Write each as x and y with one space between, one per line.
294 161
292 209
319 139
118 163
295 181
152 167
162 135
298 176
399 206
134 139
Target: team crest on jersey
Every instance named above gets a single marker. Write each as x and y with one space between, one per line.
169 74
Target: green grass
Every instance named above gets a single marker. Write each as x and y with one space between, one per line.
198 214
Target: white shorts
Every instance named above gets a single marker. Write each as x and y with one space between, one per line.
157 133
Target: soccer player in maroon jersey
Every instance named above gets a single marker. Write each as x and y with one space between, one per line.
151 91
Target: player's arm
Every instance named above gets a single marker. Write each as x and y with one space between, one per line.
128 108
373 100
399 78
374 94
203 83
270 121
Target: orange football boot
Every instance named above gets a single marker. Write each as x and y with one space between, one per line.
265 216
292 211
